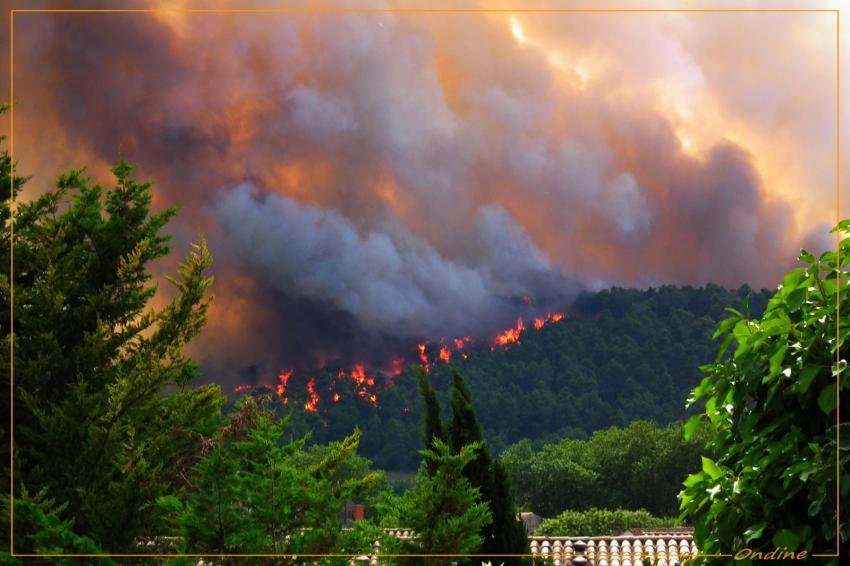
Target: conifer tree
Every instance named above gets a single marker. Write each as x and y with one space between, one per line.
105 418
434 428
447 511
505 534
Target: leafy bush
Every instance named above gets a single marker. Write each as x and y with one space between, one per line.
772 407
601 522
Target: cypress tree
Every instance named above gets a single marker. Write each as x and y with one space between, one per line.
506 534
434 428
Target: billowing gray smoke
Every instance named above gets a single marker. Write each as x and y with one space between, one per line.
366 180
391 281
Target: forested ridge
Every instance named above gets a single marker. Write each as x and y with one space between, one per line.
620 355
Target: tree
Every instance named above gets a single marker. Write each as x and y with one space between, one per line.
772 406
505 534
447 513
43 531
253 493
433 425
641 466
601 522
105 420
352 467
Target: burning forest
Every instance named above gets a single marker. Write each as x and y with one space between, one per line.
367 386
369 182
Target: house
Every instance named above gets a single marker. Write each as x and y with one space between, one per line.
663 547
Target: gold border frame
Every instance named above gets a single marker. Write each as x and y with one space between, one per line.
838 376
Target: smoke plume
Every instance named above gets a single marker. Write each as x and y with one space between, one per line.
371 180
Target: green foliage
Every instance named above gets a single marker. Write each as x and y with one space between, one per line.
255 494
353 467
772 409
601 522
641 466
38 530
433 422
446 512
104 419
505 534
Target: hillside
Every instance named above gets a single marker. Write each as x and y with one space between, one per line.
619 355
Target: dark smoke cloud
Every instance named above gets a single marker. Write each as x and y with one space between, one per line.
391 282
367 180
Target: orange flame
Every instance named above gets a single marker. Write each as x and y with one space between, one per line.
284 379
362 382
423 358
314 397
241 388
358 374
511 334
336 397
548 319
445 353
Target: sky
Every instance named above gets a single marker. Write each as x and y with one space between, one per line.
367 181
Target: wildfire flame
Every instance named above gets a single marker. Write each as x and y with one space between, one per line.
511 334
460 343
364 383
358 374
548 319
445 353
314 397
423 357
283 378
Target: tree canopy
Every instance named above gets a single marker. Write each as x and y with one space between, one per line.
772 407
255 493
641 466
105 418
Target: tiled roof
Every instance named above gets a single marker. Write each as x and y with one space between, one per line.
659 532
662 548
623 550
